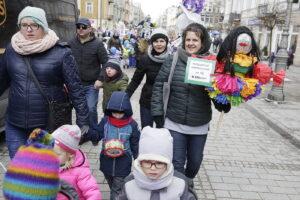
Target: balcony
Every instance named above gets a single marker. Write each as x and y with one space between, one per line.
234 17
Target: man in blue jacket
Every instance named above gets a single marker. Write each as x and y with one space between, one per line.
90 54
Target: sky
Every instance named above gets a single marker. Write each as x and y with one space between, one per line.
156 7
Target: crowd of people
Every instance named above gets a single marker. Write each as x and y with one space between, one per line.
158 161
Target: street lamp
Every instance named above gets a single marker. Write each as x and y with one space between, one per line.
276 93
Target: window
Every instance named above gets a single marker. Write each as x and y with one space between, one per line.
89 7
296 28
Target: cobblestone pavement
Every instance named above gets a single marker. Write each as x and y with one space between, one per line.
246 160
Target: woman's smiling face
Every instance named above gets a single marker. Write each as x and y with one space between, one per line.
192 42
159 45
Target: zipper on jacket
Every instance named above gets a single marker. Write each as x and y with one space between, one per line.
114 165
81 54
114 161
186 105
28 80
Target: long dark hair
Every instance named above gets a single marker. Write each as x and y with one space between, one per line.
228 48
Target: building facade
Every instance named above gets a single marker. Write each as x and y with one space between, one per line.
109 13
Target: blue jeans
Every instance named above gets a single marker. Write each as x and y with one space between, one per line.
92 96
132 62
146 117
188 148
15 137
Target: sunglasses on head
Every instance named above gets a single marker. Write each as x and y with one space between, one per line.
81 26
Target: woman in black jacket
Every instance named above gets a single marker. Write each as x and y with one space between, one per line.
149 64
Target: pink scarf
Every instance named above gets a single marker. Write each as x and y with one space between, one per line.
26 47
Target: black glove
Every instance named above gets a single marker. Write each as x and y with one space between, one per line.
222 107
159 121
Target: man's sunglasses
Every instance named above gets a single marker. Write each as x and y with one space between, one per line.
81 26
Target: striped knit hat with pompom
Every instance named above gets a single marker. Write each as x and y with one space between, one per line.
34 171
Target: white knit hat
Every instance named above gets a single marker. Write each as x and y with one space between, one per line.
156 144
67 137
36 14
159 33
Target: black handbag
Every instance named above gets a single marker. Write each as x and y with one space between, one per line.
59 113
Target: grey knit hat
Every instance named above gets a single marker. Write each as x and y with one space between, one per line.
36 14
67 137
114 62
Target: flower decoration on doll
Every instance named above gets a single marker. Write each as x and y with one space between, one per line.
239 76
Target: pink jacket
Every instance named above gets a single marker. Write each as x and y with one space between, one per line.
80 176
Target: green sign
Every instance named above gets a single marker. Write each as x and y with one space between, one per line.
198 71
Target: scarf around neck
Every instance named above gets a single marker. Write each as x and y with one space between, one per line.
152 184
158 58
183 55
27 47
119 122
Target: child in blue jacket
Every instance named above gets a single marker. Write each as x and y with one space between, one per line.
120 137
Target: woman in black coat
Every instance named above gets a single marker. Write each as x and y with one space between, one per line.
149 64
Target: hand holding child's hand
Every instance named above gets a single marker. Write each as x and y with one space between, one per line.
98 84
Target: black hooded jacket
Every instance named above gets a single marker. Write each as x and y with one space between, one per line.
150 68
89 57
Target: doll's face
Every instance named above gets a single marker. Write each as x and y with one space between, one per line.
243 44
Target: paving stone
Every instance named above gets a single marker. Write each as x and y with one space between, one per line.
244 195
222 193
239 181
270 196
292 178
263 182
288 184
272 177
294 197
255 188
282 190
245 175
225 186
